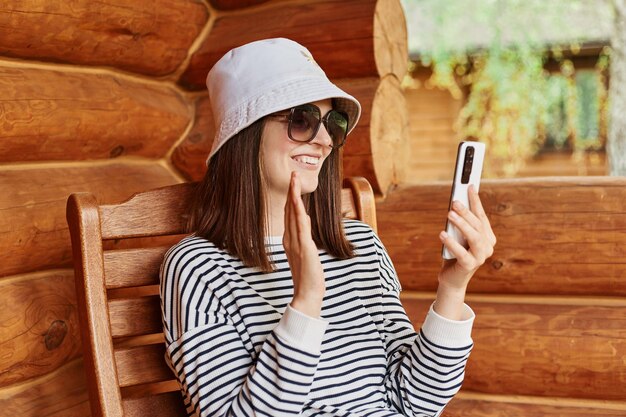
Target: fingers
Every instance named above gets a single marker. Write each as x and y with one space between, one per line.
297 221
465 213
472 235
475 203
475 217
461 254
293 218
302 220
475 227
289 232
476 207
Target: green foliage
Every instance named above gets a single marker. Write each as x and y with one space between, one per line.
514 104
506 106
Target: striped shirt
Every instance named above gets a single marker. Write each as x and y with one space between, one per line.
238 349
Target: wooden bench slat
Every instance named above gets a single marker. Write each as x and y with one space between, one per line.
476 408
130 219
348 209
133 267
169 404
131 365
135 316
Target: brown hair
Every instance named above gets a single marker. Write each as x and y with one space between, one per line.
229 207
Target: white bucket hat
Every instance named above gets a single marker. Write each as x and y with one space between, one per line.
266 76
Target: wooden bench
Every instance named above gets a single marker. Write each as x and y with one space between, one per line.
550 331
117 293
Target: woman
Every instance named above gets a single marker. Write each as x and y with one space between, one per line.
274 306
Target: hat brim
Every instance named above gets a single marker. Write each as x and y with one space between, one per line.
284 95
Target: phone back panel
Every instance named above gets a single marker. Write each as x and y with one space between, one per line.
460 190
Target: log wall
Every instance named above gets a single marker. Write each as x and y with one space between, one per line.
108 97
550 304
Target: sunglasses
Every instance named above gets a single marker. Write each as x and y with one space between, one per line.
305 120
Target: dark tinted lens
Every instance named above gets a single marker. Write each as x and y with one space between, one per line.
337 126
304 122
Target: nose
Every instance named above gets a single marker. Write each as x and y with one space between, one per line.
322 137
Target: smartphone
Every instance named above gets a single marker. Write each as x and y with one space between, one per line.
468 169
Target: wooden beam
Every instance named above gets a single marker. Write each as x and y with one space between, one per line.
349 39
557 235
39 329
149 38
526 347
60 393
470 404
33 230
50 115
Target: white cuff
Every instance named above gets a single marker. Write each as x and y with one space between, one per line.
301 331
446 332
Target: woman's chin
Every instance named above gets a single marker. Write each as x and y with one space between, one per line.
309 184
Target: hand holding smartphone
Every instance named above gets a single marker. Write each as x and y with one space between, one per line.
468 170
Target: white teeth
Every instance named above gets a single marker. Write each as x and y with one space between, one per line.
306 159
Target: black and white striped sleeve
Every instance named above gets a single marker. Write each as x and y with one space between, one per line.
218 373
424 370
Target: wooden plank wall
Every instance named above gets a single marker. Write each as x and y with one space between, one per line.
108 97
550 330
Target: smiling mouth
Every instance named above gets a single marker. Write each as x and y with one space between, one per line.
308 160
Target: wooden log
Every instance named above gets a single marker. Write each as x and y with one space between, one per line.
150 38
389 133
378 148
349 39
359 142
55 115
234 4
543 347
39 329
33 231
506 406
190 156
555 235
61 393
390 39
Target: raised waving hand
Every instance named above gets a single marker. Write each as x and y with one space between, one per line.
306 269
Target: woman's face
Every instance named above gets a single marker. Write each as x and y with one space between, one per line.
280 155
